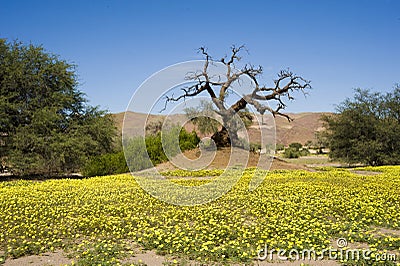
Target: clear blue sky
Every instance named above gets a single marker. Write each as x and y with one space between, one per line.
339 45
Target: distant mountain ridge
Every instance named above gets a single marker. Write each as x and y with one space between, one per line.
301 129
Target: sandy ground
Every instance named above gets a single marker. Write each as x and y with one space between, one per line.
48 258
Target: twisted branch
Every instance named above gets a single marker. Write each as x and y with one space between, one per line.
284 86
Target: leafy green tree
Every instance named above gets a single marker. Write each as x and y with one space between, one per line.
46 125
320 141
366 129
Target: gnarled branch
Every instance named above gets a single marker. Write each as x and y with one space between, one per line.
286 84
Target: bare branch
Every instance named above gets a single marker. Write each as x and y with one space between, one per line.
294 83
230 78
190 91
263 108
203 50
286 84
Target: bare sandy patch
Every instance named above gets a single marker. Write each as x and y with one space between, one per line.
359 172
49 258
386 231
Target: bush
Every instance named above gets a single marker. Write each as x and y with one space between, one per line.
280 147
111 163
188 141
296 146
137 157
255 147
155 150
309 144
291 153
304 152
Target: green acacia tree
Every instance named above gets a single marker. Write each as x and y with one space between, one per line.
366 129
46 124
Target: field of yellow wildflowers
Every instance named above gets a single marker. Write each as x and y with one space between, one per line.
96 220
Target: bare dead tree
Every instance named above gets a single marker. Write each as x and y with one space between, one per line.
285 85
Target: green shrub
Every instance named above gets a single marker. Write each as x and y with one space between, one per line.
309 144
304 152
154 149
188 141
110 163
136 155
296 146
280 147
291 153
255 147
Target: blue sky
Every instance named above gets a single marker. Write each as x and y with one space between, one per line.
339 45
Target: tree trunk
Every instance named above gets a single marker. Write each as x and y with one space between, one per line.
223 139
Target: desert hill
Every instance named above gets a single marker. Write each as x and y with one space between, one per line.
301 129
